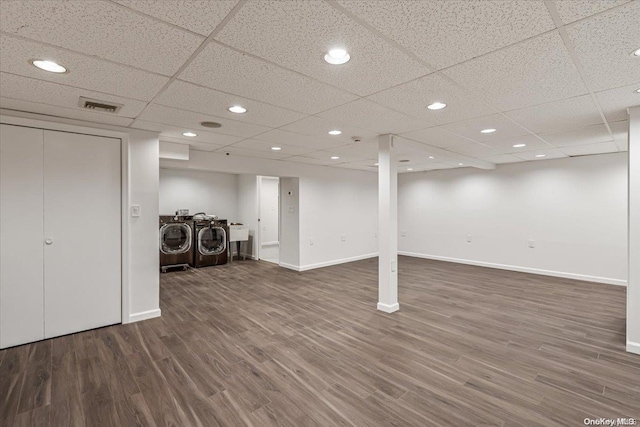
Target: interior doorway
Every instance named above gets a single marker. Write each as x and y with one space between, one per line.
269 218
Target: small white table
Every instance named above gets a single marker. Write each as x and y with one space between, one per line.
238 234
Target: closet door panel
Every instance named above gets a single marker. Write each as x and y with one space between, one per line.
83 222
21 232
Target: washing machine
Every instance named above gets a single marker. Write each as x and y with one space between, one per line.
176 241
211 239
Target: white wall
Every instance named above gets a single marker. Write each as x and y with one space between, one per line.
269 207
248 211
575 209
199 191
290 223
333 202
633 289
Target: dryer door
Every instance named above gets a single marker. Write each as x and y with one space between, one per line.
175 238
212 240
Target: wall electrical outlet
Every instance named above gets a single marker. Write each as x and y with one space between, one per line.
310 241
532 244
468 238
403 233
343 238
375 235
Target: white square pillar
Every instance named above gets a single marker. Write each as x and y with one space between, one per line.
633 284
387 226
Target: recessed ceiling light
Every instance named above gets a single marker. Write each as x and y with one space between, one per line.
276 148
636 52
334 157
409 169
189 134
541 155
436 106
490 130
337 56
460 164
237 109
49 66
335 132
431 157
519 145
637 90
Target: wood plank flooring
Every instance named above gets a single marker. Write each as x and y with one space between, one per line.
252 344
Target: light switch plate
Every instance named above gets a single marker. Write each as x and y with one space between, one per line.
135 211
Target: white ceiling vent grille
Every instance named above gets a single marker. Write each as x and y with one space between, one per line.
97 105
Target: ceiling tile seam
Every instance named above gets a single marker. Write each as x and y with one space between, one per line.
456 155
275 64
154 18
576 61
586 18
243 97
73 87
61 117
196 52
440 72
70 108
75 52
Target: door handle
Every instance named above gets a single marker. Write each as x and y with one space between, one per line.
48 241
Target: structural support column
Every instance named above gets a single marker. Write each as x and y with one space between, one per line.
633 284
387 226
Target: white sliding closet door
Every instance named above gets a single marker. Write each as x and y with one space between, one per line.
21 231
82 226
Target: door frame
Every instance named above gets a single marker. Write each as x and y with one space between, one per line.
259 203
124 188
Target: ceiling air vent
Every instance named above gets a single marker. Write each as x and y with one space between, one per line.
97 105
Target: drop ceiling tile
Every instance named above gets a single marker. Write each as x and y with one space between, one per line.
228 70
413 97
533 72
560 115
366 150
18 87
200 146
589 149
622 144
68 113
296 34
550 153
505 128
84 71
326 155
574 10
278 136
435 136
604 44
319 127
290 150
615 102
502 159
238 151
308 160
175 132
191 121
187 96
203 146
582 136
507 145
369 115
474 149
101 29
447 32
355 166
199 16
620 129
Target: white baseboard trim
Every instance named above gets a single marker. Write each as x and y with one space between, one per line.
336 262
248 256
606 280
289 266
144 315
388 308
274 243
633 347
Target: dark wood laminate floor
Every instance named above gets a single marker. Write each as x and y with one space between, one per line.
251 344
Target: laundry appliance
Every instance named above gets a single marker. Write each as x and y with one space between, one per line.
176 241
211 239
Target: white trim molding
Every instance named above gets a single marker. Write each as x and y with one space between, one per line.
565 275
273 243
289 266
633 347
144 315
336 262
388 308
